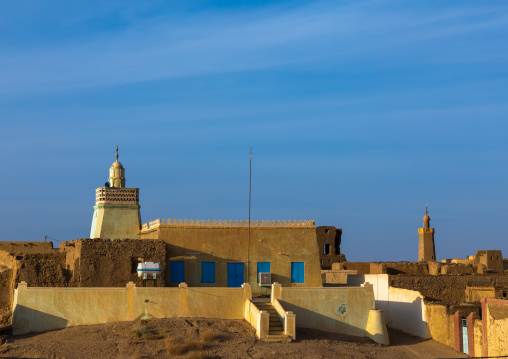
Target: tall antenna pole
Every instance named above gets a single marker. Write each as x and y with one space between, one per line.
250 186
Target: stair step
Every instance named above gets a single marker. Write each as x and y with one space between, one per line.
277 340
277 333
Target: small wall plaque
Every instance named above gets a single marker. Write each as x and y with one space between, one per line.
341 309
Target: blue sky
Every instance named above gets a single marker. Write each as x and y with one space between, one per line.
359 114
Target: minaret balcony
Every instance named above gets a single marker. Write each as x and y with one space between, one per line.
118 196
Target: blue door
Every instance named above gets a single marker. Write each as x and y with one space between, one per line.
176 270
235 274
465 344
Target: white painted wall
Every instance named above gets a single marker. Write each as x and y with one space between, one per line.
403 309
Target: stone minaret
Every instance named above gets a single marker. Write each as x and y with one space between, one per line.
426 250
116 212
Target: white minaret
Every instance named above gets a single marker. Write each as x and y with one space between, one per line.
117 211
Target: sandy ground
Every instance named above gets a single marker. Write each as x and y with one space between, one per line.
206 338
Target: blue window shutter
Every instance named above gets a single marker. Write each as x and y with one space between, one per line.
204 273
207 272
263 267
177 274
212 272
297 272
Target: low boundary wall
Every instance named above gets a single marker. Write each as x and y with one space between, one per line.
404 309
344 310
40 309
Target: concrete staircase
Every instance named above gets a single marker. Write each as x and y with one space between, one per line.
275 328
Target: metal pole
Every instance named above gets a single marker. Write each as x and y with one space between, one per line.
250 186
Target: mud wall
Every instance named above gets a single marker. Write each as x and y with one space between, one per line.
18 247
7 270
440 324
360 267
446 288
106 263
394 268
328 239
408 268
496 318
42 269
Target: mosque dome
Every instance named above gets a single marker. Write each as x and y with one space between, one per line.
117 173
426 219
117 164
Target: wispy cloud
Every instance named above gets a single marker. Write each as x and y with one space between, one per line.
162 47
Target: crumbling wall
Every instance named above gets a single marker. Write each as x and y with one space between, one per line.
449 289
19 247
42 269
457 269
113 263
328 239
72 252
492 259
79 263
409 268
394 268
7 270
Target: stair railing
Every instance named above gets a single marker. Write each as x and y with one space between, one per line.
259 319
288 319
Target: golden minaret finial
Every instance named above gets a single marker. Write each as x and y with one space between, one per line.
426 212
116 153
